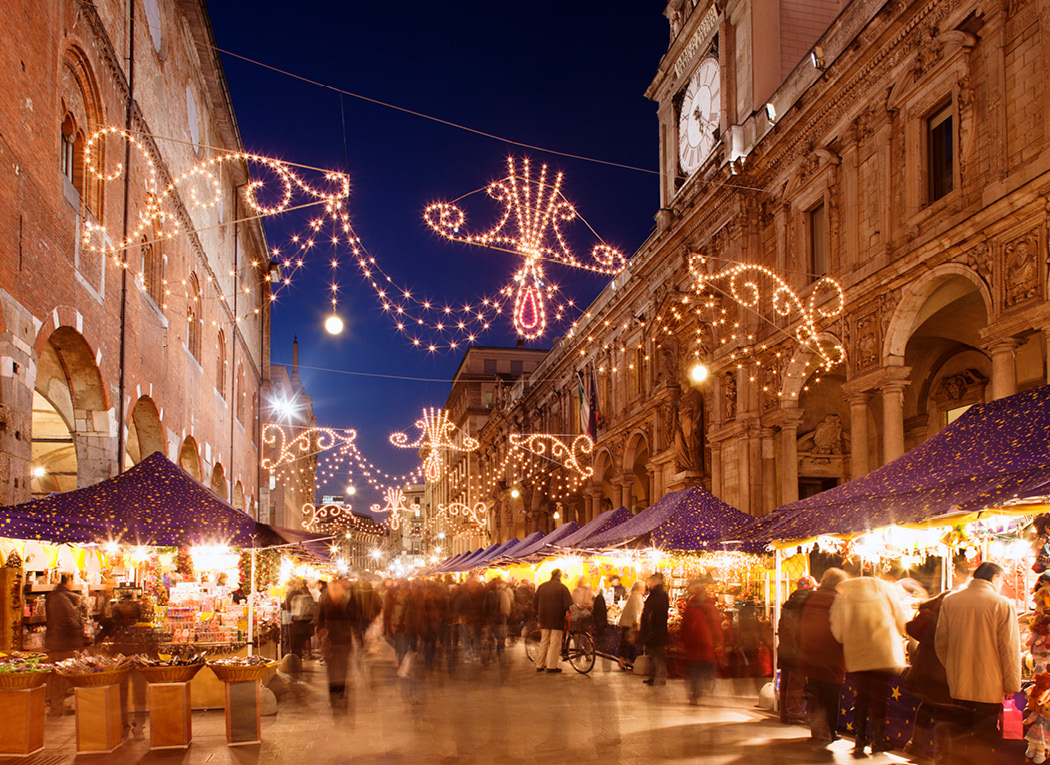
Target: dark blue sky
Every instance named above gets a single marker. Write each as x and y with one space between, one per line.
568 76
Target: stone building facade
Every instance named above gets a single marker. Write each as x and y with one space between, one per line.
899 148
104 360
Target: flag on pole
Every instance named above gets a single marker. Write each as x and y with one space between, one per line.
585 406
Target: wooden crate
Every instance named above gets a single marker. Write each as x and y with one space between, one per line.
22 721
100 724
170 719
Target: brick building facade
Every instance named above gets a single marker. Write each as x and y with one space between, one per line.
102 364
900 149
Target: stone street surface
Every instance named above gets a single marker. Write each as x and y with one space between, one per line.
607 716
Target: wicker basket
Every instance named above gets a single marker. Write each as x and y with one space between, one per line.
177 674
19 681
95 679
231 673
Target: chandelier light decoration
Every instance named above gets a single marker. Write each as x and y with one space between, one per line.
530 226
436 432
394 499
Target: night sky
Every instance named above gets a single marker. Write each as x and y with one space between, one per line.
565 76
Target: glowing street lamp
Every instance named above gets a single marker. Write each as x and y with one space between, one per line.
334 325
698 373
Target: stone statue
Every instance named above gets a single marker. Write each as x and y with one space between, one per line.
685 438
827 438
729 395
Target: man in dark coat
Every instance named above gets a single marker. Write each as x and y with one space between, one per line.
64 636
551 603
336 614
820 659
789 634
652 632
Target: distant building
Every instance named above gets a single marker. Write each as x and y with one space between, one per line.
478 387
288 406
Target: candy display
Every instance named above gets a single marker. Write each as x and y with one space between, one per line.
84 663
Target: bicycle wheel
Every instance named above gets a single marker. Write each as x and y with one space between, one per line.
581 652
532 645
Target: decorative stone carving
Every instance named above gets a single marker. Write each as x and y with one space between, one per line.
961 386
728 396
827 437
866 354
1022 270
979 258
688 428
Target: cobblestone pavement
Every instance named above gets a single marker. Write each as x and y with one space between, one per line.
488 716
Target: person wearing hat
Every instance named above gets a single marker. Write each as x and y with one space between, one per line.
551 603
789 632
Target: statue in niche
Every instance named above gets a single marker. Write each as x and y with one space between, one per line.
498 394
827 438
668 366
688 428
729 395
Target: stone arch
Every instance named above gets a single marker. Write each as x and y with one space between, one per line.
913 301
604 473
73 424
635 461
190 457
799 369
218 481
145 432
238 496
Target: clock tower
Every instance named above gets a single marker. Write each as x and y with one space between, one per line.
725 60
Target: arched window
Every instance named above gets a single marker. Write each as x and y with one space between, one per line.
151 268
220 365
81 110
193 317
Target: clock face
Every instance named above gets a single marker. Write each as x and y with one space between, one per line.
699 116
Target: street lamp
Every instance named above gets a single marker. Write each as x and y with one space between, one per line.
698 373
334 325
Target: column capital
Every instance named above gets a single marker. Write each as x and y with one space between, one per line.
784 419
1002 345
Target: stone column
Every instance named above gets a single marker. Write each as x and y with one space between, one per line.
1004 370
893 414
769 471
789 455
858 432
588 508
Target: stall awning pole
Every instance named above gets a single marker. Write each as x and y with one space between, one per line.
776 607
251 609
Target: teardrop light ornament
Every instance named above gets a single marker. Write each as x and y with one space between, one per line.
530 315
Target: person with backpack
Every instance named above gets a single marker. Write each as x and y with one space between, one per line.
300 603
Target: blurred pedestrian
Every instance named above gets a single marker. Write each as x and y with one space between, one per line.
619 592
303 609
334 625
868 620
977 640
701 635
630 619
551 603
63 638
652 630
792 682
820 659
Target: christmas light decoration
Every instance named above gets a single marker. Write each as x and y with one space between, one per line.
309 442
328 518
530 226
395 506
436 432
470 514
547 445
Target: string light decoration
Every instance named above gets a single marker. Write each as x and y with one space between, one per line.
436 432
530 225
309 442
329 518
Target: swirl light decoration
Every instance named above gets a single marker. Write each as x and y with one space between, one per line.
159 218
470 514
309 442
395 506
326 518
552 447
436 432
530 225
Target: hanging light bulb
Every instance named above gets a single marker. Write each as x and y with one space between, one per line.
698 373
334 325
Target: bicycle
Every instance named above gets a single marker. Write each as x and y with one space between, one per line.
577 647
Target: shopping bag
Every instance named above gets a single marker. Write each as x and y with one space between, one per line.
405 670
1012 721
643 665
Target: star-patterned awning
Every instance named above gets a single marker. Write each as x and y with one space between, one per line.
597 525
994 453
152 503
540 546
687 519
